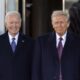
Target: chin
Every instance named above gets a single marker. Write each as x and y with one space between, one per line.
60 34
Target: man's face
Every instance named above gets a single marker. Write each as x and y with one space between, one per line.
60 24
13 24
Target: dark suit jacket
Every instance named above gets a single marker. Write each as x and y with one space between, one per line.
15 66
46 64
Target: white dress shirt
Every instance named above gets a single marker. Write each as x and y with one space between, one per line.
58 38
10 38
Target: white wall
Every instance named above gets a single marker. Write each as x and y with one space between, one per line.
6 5
11 5
67 4
2 13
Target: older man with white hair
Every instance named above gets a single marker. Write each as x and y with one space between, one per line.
15 50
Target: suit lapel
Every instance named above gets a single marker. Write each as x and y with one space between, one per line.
20 44
68 44
52 50
7 44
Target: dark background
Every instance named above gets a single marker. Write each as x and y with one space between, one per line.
38 13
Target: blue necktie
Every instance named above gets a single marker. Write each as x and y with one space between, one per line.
13 44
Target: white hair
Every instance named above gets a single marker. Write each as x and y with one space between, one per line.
10 13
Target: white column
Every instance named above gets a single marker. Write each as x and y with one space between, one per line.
2 14
63 4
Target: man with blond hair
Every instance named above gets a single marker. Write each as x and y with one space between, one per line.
57 53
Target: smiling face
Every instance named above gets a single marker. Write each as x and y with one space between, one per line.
13 24
60 24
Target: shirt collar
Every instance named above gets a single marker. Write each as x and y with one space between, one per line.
58 39
10 37
63 37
